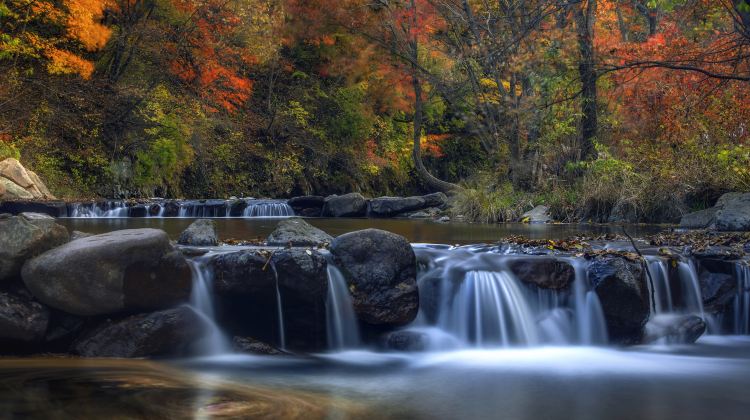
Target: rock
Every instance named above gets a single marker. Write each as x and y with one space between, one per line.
51 208
165 333
437 199
13 191
138 211
623 293
297 232
734 213
674 329
308 205
539 214
125 270
76 234
444 219
406 340
718 283
171 209
3 190
392 206
154 210
302 271
420 215
380 268
13 170
252 346
21 318
242 272
237 208
24 237
704 219
545 273
46 194
623 212
349 205
201 232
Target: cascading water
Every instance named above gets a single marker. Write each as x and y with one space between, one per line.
279 310
267 208
341 322
201 300
472 299
182 209
742 301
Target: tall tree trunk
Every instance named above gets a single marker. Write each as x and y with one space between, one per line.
584 21
422 171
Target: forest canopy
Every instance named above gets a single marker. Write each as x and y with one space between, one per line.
596 108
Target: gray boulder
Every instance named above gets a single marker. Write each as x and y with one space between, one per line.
166 333
24 237
297 232
704 219
380 268
437 199
545 273
250 345
242 273
303 272
348 205
734 212
21 318
307 205
393 206
539 214
201 232
674 329
125 270
621 287
406 340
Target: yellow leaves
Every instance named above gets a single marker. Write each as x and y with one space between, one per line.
65 62
83 23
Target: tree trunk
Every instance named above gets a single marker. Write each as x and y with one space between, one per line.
585 30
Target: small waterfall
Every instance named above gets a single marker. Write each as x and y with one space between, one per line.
103 210
201 300
742 301
590 324
267 208
659 271
341 322
691 289
279 310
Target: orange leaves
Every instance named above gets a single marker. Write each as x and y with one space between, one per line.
65 62
83 25
430 144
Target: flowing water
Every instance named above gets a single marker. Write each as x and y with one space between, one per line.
341 323
201 300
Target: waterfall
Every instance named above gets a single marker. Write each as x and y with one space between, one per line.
267 208
691 289
279 310
659 272
201 300
185 209
341 322
742 301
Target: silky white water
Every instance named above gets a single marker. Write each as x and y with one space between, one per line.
341 322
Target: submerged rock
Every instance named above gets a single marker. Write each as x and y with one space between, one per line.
124 270
545 273
297 232
26 236
380 268
201 232
674 329
21 318
348 205
406 340
621 287
250 345
165 333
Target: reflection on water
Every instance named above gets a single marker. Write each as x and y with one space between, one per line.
647 382
103 389
426 231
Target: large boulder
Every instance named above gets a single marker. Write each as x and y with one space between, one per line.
21 318
437 199
380 268
126 270
302 271
545 273
46 194
171 332
237 208
201 232
307 205
703 219
242 272
734 212
623 293
20 183
718 283
171 209
24 237
11 191
13 170
297 232
539 214
393 206
51 208
348 205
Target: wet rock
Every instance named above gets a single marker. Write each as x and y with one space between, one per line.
201 232
348 205
237 208
297 232
718 283
250 345
242 272
406 340
393 206
621 287
21 318
704 219
25 236
124 270
77 234
674 329
539 214
380 268
154 210
307 205
545 273
302 271
51 208
437 199
165 333
171 209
